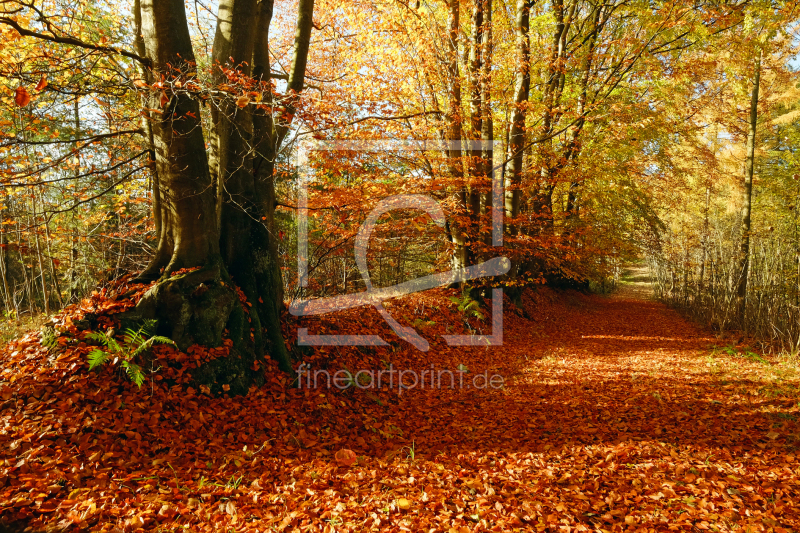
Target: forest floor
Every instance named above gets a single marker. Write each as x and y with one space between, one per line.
615 414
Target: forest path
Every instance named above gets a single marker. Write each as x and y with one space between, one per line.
636 283
621 414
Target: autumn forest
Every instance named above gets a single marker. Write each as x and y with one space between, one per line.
399 265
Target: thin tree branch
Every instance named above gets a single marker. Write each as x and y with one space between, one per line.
73 41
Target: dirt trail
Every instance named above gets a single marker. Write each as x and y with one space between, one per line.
636 284
621 418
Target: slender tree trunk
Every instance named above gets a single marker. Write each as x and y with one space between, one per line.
487 122
554 88
475 65
73 258
27 282
573 148
704 241
517 134
39 258
53 269
460 224
7 298
747 195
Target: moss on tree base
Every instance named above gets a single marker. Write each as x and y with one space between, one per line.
203 307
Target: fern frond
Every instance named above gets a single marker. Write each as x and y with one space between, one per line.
134 344
135 373
149 327
133 337
113 345
97 336
96 358
160 340
146 345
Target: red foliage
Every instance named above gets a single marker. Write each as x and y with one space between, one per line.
21 97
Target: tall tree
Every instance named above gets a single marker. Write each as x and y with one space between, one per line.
217 211
747 192
453 132
522 89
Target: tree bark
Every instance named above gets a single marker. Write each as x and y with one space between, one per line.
522 90
476 71
217 208
704 241
747 195
573 148
487 125
180 149
164 244
453 132
73 274
553 89
474 65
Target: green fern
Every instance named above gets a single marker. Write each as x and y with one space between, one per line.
467 306
135 343
134 371
97 358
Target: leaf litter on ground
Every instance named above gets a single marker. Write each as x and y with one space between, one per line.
615 414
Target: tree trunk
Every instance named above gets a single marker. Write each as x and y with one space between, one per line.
474 65
747 195
517 136
474 79
180 149
573 148
704 242
164 245
73 256
217 209
553 89
35 227
460 225
7 296
53 270
487 124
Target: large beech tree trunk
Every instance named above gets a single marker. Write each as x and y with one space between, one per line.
216 206
186 188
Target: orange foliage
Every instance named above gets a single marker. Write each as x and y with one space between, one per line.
608 418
